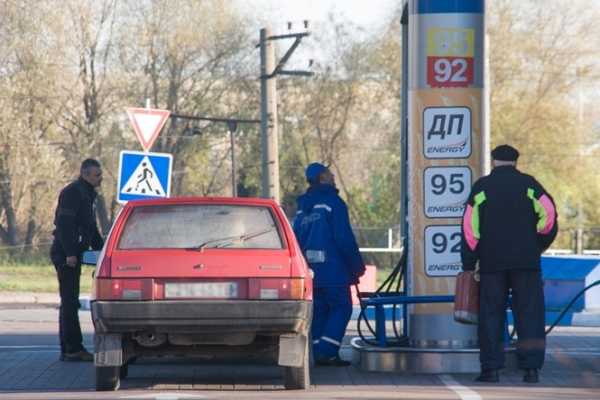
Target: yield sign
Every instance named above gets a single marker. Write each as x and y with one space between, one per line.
147 124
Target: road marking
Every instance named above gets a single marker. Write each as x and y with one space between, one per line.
165 396
575 350
462 391
40 346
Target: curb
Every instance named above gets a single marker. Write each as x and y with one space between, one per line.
42 299
29 298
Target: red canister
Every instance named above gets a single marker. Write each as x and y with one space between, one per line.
466 298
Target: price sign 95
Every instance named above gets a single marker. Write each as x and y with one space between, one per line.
442 250
446 190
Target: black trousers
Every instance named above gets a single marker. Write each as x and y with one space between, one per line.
69 329
528 312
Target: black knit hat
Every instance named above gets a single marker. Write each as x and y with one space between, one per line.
505 152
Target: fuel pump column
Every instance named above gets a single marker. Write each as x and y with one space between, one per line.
446 143
444 149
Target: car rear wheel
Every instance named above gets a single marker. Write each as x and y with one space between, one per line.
107 378
298 377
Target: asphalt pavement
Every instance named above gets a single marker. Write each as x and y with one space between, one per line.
30 369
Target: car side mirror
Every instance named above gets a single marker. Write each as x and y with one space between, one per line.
90 257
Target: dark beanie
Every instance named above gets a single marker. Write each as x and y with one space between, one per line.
505 152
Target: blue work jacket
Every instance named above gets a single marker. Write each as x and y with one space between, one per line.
323 230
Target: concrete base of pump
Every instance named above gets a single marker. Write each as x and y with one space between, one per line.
420 360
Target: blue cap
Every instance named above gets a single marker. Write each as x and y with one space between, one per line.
313 171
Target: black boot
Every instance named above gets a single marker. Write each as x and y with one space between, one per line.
334 361
531 376
488 375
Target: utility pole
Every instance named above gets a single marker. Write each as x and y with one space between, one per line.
268 105
268 119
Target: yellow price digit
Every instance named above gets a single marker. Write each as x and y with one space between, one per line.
450 42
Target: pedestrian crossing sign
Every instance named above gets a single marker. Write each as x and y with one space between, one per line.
144 175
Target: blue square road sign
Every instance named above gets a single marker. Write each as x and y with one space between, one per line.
144 175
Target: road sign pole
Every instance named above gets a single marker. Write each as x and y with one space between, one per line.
233 165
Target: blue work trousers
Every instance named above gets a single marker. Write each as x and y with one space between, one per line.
331 314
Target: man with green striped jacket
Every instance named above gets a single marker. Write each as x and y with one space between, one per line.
509 221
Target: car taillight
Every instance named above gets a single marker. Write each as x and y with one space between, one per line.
123 289
276 289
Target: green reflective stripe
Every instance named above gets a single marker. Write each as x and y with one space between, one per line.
478 200
539 209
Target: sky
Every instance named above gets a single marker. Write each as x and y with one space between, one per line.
365 13
365 16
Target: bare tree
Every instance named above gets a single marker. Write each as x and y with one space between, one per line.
28 111
540 61
185 57
91 96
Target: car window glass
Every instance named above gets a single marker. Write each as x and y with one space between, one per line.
195 226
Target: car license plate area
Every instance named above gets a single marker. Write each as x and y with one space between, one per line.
201 290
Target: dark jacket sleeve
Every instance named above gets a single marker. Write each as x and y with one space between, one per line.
96 241
67 232
345 240
469 230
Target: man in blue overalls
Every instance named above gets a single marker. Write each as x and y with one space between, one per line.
323 229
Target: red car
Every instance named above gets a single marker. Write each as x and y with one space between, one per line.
201 277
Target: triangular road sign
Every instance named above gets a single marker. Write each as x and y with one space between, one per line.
147 124
144 181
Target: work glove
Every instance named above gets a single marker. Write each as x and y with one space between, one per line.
355 277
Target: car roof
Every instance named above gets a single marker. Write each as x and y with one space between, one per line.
238 201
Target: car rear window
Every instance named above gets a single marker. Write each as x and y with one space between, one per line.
200 226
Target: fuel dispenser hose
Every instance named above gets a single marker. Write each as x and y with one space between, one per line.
564 310
397 275
394 279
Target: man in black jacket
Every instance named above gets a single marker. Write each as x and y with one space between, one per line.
76 231
509 221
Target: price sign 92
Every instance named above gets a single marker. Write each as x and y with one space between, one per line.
440 242
449 71
442 250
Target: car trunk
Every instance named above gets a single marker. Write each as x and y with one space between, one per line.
207 274
200 264
197 251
